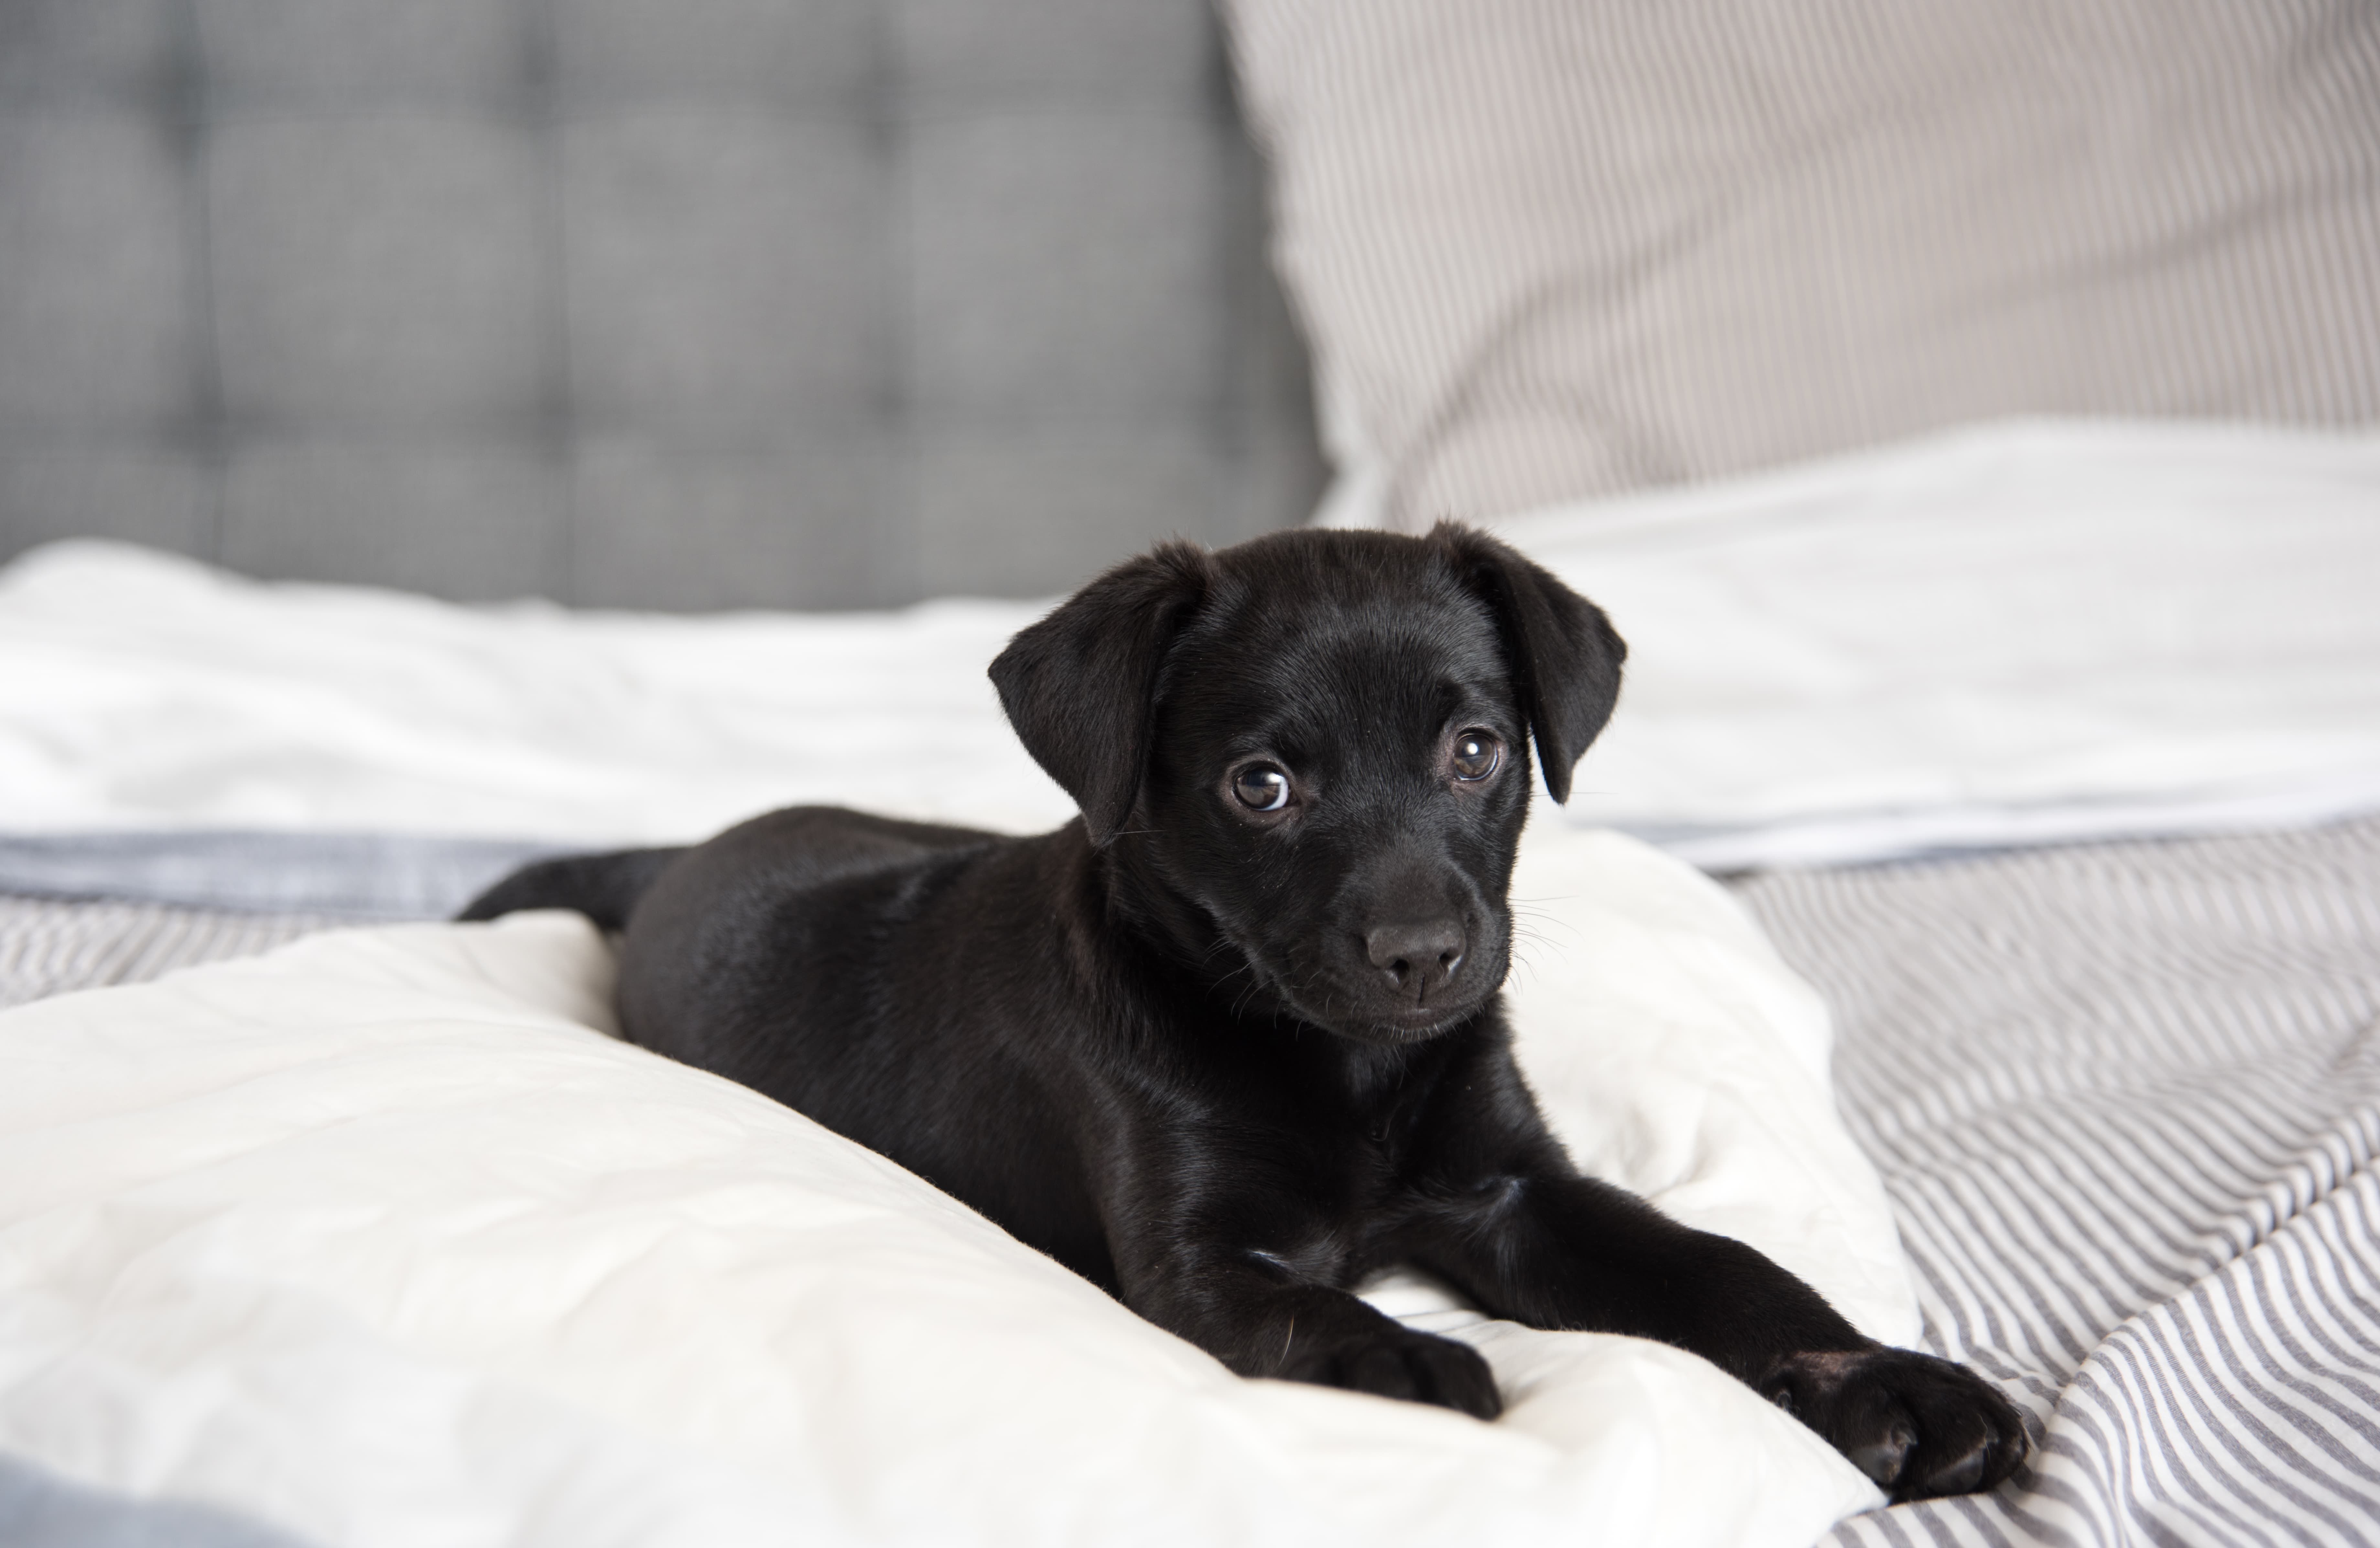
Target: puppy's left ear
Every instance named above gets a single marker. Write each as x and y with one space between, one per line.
1078 685
1564 655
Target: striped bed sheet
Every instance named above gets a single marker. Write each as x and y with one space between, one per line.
51 945
2126 1098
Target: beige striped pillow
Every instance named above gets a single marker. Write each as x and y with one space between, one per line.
1557 248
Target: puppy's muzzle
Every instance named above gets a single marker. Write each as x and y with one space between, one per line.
1418 960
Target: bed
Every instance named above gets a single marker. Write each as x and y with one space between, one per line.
1976 902
2134 1198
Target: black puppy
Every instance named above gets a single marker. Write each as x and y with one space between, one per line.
1232 1041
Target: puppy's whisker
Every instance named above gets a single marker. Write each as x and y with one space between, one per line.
1525 908
1527 943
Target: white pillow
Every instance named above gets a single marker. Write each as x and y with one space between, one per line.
382 1239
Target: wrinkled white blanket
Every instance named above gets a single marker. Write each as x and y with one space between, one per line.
381 1240
2017 633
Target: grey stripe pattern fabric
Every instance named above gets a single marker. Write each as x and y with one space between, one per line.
2127 1102
82 911
49 946
356 875
1546 250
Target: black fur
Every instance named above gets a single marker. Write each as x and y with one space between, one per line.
1227 1062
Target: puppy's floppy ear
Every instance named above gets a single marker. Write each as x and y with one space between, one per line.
1077 686
1564 656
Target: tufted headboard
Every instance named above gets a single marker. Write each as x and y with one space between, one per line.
653 303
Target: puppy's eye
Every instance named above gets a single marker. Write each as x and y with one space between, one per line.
1261 788
1477 754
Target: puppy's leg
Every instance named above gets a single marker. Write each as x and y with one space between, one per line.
1260 1320
1546 1247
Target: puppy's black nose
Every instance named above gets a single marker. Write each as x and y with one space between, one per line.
1416 957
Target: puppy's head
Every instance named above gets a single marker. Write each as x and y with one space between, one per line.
1316 744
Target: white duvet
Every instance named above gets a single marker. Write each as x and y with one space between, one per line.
382 1239
2017 633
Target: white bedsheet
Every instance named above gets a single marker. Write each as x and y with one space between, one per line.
142 690
2021 633
380 1240
2018 633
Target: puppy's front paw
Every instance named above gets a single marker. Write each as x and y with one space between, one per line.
1917 1425
1398 1362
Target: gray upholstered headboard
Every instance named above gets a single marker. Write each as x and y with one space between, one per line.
664 304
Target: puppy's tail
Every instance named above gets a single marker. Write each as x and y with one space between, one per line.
603 887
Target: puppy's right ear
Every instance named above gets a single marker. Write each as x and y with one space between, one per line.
1565 655
1077 686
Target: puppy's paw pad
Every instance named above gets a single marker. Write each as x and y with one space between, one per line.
1919 1426
1883 1457
1966 1474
